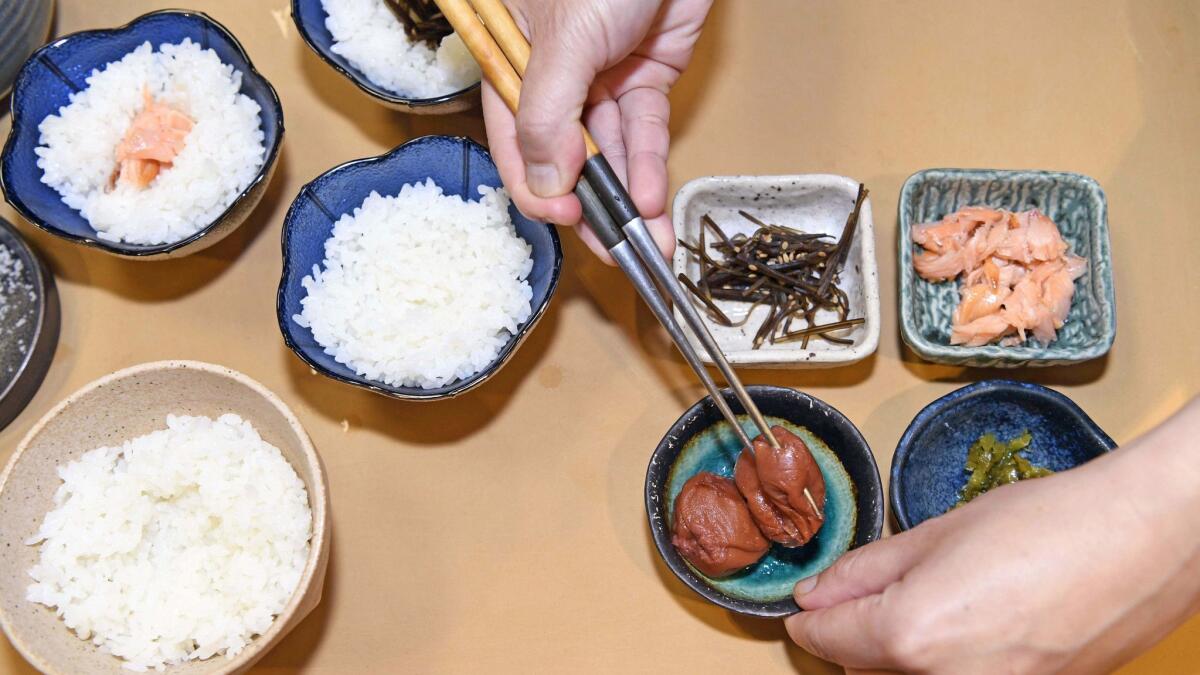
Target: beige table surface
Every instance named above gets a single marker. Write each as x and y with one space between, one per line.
505 531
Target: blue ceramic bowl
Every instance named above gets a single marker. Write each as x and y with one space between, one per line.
60 68
1076 203
459 166
24 24
927 469
701 440
309 17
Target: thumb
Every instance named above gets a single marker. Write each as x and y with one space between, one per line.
866 570
553 95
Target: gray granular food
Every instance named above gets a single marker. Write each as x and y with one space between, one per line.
18 313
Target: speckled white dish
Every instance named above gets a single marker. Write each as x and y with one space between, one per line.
806 202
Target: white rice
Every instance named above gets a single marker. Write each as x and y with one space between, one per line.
372 39
223 152
420 289
177 545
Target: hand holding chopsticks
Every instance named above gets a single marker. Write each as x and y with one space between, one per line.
492 36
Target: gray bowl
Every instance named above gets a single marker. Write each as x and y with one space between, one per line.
24 25
28 327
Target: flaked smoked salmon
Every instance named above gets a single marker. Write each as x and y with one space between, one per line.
1018 278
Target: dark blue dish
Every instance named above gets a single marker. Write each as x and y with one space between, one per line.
927 469
701 440
60 68
459 166
309 17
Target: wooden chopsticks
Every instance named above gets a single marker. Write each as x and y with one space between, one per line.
497 43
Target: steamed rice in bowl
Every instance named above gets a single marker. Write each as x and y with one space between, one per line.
181 544
113 155
420 289
370 37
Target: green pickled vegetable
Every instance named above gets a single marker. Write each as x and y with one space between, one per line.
992 463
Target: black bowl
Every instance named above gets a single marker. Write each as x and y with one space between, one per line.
60 68
927 468
28 329
701 440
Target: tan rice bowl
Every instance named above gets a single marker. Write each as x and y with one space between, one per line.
115 408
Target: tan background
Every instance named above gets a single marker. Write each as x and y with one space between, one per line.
505 531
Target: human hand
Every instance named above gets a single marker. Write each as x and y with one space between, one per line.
609 64
1075 572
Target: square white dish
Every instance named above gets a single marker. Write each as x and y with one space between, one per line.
814 203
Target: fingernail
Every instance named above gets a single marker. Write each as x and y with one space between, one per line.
543 180
806 586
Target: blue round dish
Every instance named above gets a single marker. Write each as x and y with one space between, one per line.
23 26
927 468
701 440
60 68
459 166
309 17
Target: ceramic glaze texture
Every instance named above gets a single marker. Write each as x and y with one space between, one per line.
771 579
61 68
814 203
29 327
701 440
459 166
116 408
24 24
1076 203
927 469
309 17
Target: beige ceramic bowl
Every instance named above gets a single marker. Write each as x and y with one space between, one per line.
115 408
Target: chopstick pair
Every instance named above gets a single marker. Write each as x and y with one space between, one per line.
493 38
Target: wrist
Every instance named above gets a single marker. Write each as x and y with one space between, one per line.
1159 476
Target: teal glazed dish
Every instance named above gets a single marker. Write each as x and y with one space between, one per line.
1075 202
702 440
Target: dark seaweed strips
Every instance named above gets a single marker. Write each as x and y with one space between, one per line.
422 20
796 274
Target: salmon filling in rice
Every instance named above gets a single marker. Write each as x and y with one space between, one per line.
157 146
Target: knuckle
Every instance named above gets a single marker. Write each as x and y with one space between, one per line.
534 125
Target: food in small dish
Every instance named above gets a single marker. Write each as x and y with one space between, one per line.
722 526
1018 276
178 545
794 273
992 463
16 291
713 529
396 57
421 288
156 147
783 488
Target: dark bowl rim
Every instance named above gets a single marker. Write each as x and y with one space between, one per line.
947 401
930 351
660 533
44 287
364 84
116 248
44 38
406 393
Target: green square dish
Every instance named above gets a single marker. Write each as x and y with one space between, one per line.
1075 202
